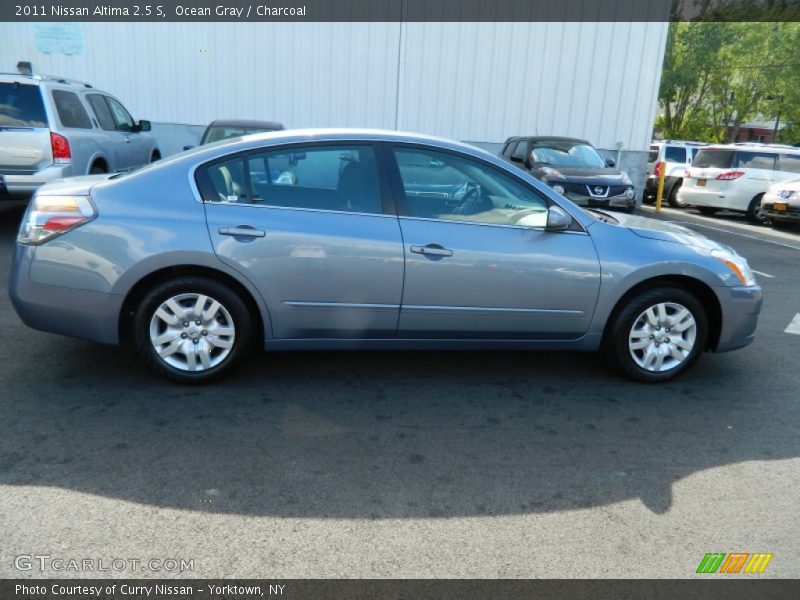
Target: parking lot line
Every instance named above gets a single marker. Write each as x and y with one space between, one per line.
746 235
794 326
767 275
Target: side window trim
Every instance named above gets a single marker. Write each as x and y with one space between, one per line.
398 189
206 190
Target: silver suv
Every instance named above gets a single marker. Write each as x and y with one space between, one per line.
678 156
52 127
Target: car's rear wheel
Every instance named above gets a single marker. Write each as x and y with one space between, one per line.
657 335
192 329
673 195
755 212
97 170
707 210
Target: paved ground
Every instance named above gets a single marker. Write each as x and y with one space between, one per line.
407 465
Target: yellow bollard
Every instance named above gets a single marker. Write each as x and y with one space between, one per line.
662 169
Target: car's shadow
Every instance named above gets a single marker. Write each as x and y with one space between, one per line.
379 435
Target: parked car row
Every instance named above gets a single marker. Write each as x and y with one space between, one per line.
761 181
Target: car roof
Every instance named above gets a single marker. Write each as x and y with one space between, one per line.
548 138
752 146
246 124
39 79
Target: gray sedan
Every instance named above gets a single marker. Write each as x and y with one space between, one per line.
339 239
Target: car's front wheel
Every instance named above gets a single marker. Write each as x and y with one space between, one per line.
657 335
192 329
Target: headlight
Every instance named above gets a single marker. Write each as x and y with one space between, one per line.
558 189
737 265
551 173
629 193
49 216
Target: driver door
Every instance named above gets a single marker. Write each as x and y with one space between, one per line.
479 262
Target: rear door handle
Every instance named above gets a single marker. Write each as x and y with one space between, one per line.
432 250
242 231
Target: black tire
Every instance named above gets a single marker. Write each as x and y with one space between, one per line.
97 170
243 323
754 212
155 156
707 210
673 195
615 343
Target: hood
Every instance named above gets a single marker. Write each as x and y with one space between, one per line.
587 175
667 232
73 186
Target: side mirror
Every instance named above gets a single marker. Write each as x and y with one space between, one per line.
188 147
515 159
143 126
557 219
610 162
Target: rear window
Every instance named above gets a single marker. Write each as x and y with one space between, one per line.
653 156
756 160
675 154
70 110
21 106
715 159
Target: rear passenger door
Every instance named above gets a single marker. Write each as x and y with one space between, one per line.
114 142
314 227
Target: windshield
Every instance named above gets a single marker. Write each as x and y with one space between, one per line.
215 134
21 106
713 158
566 154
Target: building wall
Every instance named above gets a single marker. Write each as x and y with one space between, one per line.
478 82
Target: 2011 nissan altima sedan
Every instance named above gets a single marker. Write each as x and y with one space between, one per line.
336 239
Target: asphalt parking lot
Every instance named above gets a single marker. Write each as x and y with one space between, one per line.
407 464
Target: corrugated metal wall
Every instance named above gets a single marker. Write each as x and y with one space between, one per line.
470 81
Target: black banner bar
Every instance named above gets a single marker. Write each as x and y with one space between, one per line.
397 10
746 587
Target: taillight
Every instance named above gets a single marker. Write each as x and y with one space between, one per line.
728 175
60 146
49 216
659 167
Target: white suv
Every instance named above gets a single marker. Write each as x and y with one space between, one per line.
736 176
51 127
678 156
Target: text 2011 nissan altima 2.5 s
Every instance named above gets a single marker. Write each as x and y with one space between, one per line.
335 239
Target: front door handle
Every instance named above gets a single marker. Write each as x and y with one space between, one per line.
432 250
242 231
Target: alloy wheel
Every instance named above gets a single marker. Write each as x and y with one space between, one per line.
192 332
662 337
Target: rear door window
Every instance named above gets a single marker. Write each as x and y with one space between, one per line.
789 163
714 159
102 112
676 154
757 160
521 150
70 110
21 105
341 178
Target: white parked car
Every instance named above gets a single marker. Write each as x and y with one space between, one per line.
781 203
677 155
736 177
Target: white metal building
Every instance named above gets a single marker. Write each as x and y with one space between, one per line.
478 82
